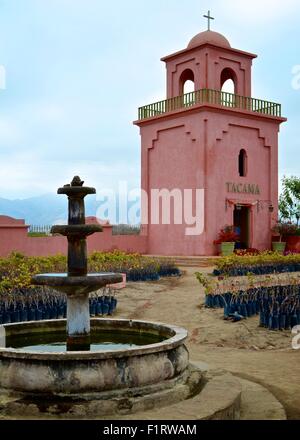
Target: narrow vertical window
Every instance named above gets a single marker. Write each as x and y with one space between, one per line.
242 163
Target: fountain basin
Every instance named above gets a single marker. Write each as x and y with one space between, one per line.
78 373
80 231
77 285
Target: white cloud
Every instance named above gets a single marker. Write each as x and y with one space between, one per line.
48 112
23 175
2 78
86 77
155 97
10 132
262 11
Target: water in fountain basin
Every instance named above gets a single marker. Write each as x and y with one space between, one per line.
105 341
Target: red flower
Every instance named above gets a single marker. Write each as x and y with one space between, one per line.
227 235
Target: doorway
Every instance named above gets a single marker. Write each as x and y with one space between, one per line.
242 225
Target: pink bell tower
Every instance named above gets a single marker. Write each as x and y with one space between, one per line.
223 143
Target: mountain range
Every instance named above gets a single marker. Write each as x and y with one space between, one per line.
49 209
43 210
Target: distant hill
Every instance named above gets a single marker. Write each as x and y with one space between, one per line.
44 210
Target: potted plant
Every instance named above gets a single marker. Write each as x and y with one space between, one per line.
293 241
227 239
283 230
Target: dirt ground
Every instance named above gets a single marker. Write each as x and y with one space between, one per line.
242 348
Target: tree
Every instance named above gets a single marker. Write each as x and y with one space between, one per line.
289 201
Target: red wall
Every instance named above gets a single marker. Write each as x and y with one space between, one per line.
14 237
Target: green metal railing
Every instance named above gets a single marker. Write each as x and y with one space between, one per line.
208 96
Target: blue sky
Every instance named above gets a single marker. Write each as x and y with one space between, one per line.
77 70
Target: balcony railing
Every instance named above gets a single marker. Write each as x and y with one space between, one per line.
208 96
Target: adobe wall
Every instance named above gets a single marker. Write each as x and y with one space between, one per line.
14 238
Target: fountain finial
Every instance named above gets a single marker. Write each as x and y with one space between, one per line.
77 181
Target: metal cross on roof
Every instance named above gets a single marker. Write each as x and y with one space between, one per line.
209 17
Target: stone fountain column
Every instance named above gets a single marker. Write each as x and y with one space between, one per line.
77 283
78 323
78 312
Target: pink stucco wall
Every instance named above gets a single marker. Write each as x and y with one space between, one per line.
13 233
199 149
14 237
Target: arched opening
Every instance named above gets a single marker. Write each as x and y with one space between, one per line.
189 87
187 82
228 88
242 163
228 81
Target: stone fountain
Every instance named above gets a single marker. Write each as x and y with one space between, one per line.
89 368
77 284
102 368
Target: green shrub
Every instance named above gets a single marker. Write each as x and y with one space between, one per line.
272 262
17 270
